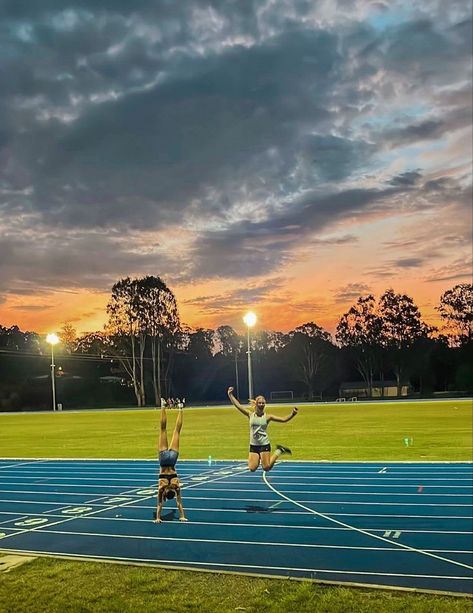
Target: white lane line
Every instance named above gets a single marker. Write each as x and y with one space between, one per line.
361 531
414 494
286 527
243 510
199 461
281 483
250 524
21 464
67 471
68 478
388 480
82 485
287 569
335 502
337 485
188 473
289 467
258 500
149 537
51 493
18 518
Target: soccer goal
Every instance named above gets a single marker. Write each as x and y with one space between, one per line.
282 395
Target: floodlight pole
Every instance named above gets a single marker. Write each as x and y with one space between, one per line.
52 339
250 320
250 374
236 374
53 377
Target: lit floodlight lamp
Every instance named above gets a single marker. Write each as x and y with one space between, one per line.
52 339
250 319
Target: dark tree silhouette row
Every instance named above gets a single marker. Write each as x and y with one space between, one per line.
145 353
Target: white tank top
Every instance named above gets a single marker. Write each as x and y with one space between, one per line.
258 427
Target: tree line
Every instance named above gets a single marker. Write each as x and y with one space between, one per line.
145 353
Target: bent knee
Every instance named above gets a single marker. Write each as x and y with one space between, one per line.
267 467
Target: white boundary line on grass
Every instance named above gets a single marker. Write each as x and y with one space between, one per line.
242 460
360 530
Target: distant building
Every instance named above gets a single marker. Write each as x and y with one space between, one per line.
113 380
380 389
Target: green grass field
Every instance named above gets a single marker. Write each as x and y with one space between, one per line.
439 430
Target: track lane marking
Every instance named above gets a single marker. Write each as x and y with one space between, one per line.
361 531
249 566
100 510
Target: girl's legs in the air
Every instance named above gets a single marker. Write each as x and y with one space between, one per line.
177 431
163 437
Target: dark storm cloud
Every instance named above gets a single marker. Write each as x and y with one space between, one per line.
427 130
214 123
247 123
252 249
406 178
92 261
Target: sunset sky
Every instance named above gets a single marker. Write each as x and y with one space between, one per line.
283 156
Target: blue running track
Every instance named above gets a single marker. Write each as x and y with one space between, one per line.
395 525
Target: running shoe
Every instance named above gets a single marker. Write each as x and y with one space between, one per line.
283 449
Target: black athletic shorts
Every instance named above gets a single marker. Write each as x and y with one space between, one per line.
260 448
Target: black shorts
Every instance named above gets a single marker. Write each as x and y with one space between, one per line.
260 448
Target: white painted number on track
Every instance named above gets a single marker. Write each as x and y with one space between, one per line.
395 533
146 492
76 510
2 534
33 521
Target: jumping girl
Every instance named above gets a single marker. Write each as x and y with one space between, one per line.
260 446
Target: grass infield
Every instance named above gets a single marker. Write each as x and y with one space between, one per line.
435 431
439 430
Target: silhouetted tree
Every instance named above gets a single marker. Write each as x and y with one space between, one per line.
401 328
360 331
309 345
456 309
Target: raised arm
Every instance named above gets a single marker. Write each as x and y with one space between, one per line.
283 419
236 404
